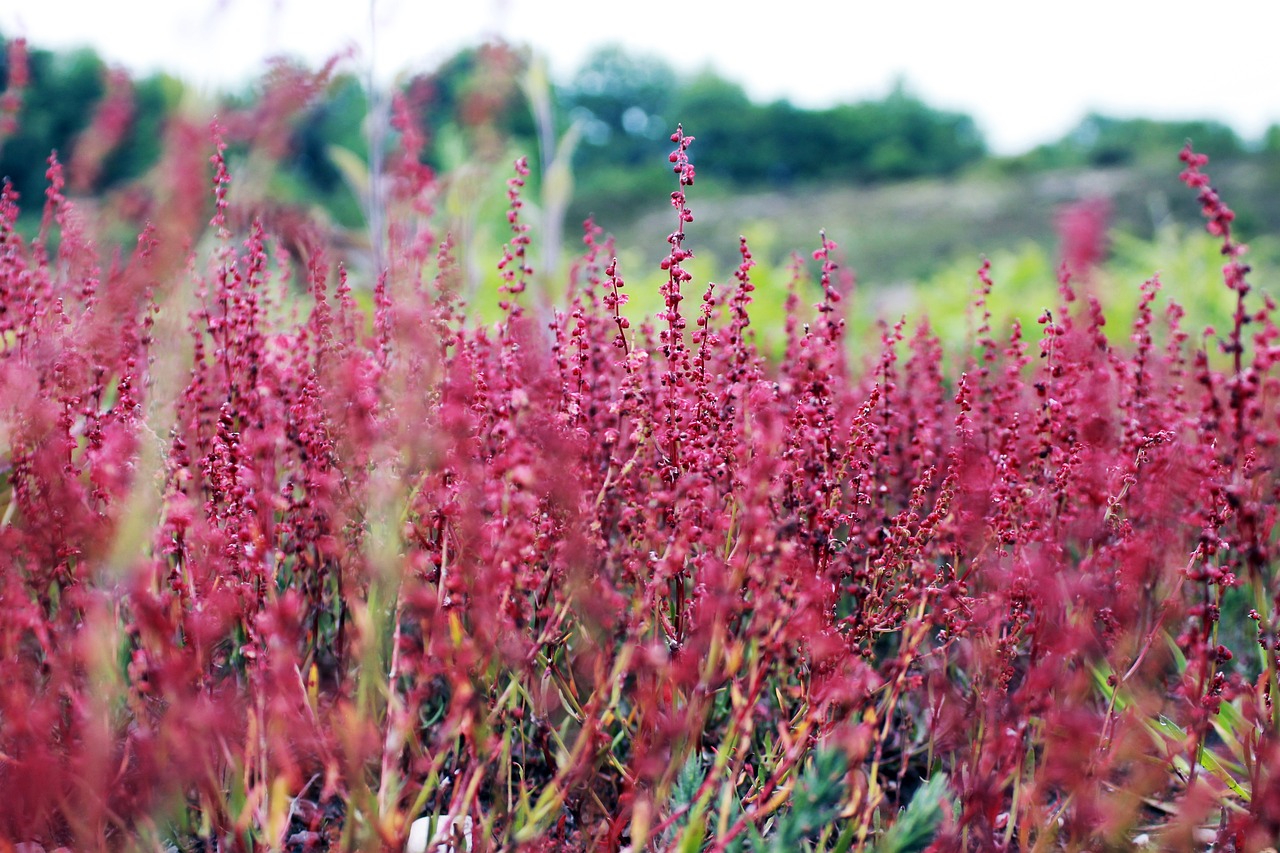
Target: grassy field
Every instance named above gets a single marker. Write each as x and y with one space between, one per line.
906 232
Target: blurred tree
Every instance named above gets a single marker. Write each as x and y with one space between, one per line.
155 98
58 103
335 119
727 122
1101 141
922 140
476 92
628 104
62 98
625 104
894 138
1271 140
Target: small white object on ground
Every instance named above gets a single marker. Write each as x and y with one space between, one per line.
447 829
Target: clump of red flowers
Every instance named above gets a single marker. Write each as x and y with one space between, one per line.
280 573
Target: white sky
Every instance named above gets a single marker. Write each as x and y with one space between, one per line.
1027 70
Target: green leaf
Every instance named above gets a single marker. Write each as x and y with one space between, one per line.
1165 727
918 823
816 801
685 789
353 168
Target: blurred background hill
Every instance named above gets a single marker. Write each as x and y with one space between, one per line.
908 189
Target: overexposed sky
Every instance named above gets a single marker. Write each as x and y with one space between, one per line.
1027 71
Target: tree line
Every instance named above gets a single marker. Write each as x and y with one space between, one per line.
619 108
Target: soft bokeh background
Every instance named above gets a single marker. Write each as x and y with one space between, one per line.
921 137
1026 71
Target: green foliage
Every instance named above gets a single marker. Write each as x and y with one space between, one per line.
683 797
312 174
811 819
816 802
1101 140
57 104
337 118
1188 264
155 98
918 824
1023 288
473 112
627 104
477 92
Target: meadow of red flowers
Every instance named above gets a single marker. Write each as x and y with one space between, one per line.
277 572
